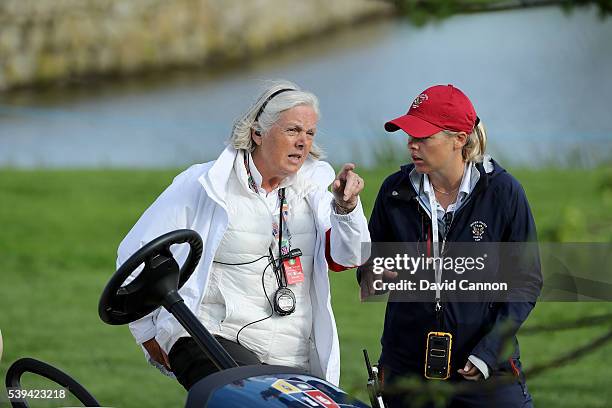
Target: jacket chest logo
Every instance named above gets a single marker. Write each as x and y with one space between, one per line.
478 230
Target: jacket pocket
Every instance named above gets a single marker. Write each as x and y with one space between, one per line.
213 309
226 309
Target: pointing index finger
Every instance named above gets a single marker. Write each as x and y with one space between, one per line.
348 167
351 185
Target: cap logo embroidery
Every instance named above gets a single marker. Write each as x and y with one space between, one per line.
478 230
419 100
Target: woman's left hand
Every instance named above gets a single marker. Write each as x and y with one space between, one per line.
470 372
346 188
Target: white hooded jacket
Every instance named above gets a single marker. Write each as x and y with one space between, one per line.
196 200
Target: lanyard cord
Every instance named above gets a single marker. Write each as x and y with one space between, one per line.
438 252
279 268
436 249
281 197
278 275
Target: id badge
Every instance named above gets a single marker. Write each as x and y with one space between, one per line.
293 270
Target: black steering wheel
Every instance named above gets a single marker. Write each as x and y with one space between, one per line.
30 365
159 278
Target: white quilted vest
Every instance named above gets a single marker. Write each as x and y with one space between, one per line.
235 294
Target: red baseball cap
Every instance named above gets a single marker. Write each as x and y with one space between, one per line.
441 107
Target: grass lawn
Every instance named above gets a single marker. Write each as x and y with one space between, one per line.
60 231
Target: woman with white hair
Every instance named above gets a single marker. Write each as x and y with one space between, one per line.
271 230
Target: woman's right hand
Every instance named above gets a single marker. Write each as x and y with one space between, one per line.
156 352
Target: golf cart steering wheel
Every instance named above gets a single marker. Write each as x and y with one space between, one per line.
158 282
30 365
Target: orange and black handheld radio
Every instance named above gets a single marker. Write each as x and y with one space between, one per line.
438 355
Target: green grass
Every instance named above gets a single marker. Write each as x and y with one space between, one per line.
60 231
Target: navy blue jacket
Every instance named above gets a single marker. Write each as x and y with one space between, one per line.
478 328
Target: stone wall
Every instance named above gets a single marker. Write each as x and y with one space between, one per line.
44 41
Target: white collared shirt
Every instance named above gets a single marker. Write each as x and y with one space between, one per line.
465 189
468 182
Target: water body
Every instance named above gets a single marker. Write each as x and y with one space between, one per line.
540 80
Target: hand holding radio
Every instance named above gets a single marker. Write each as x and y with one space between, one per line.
346 188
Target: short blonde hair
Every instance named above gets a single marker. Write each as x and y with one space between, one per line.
241 131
